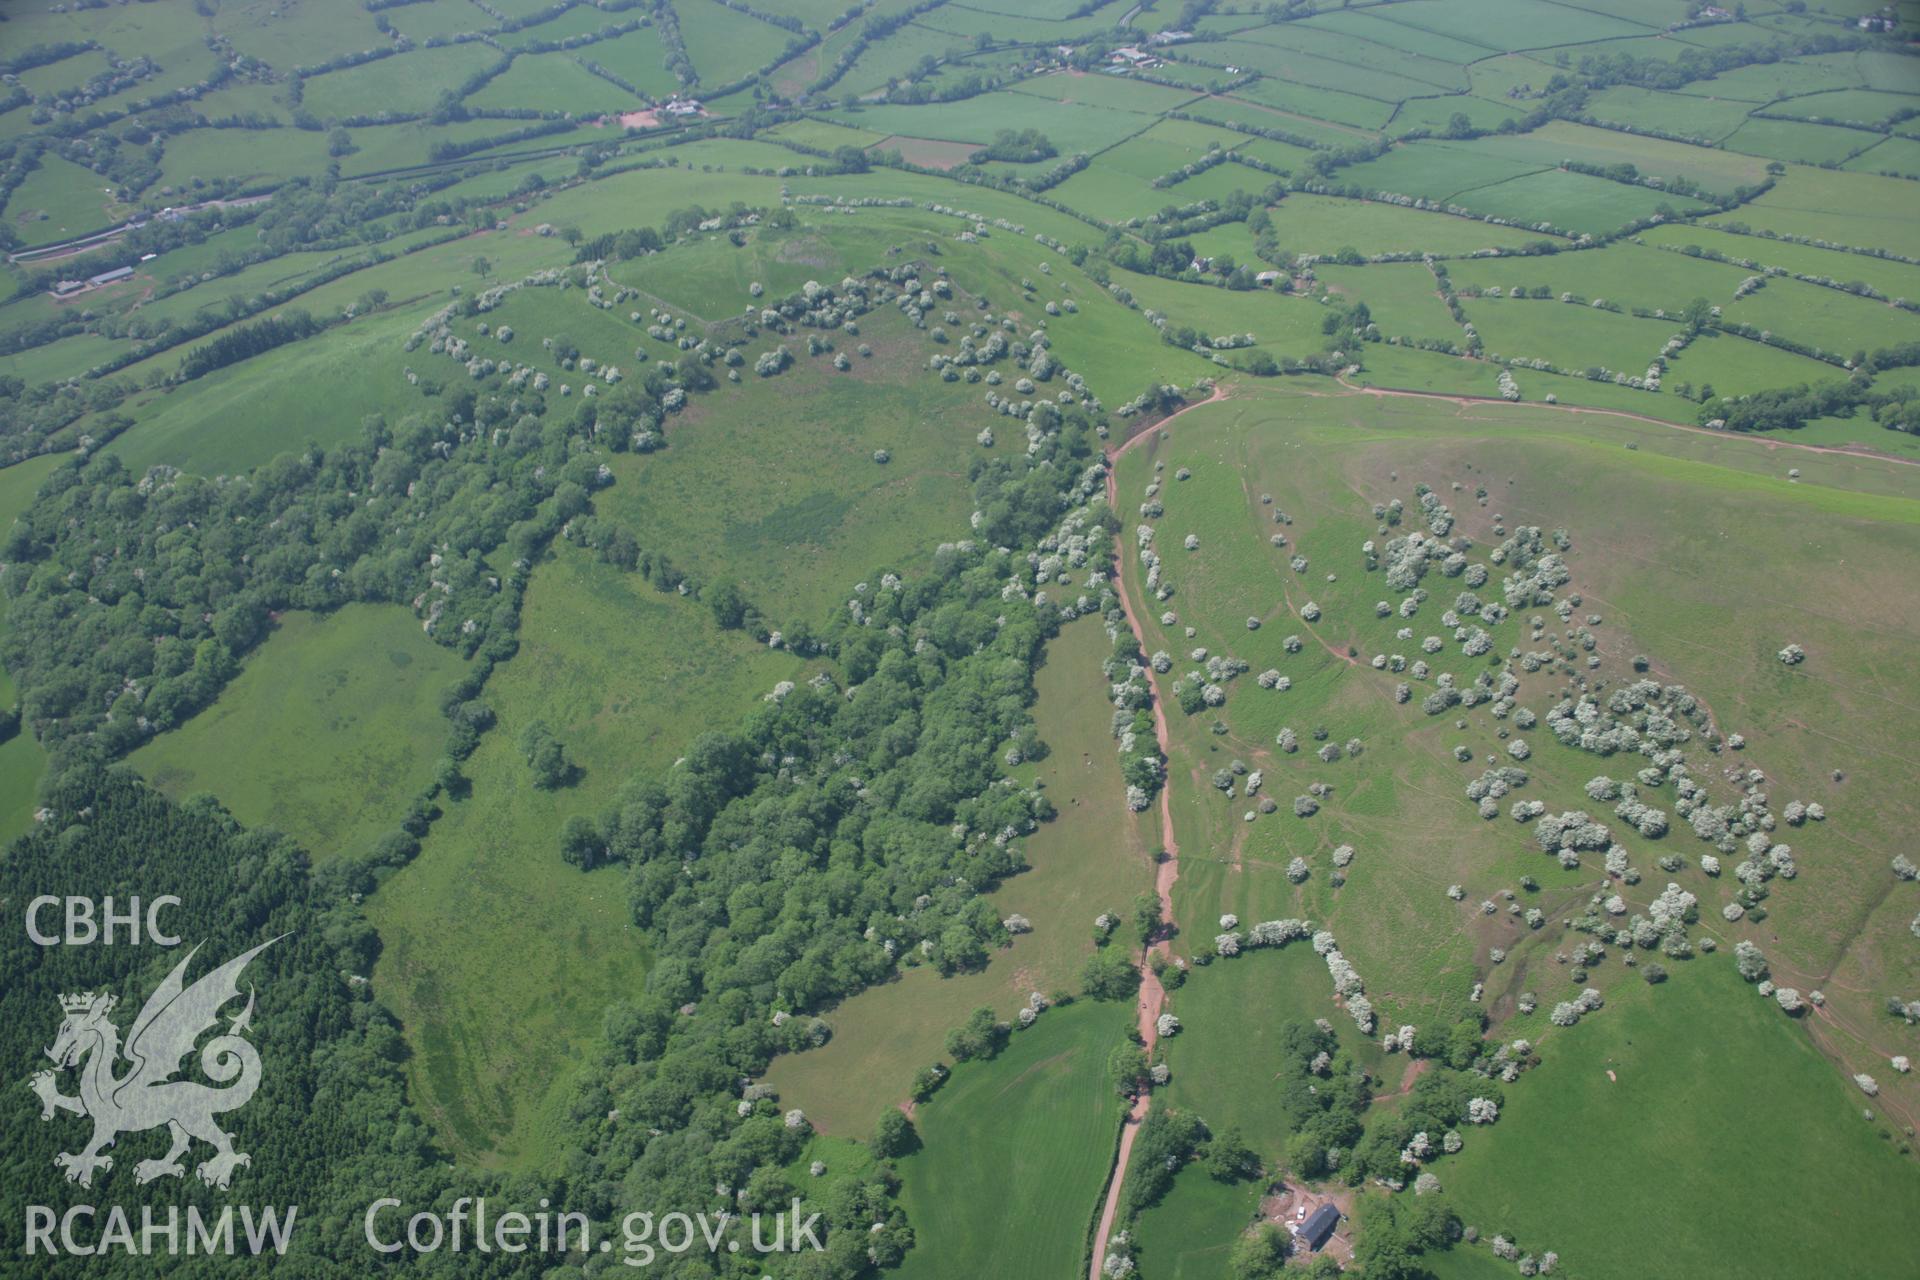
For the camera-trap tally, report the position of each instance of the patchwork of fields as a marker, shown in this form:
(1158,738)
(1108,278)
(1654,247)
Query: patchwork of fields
(1051,630)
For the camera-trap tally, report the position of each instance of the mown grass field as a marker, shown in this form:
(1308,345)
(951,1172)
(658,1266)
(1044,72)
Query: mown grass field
(500,959)
(1016,1151)
(328,732)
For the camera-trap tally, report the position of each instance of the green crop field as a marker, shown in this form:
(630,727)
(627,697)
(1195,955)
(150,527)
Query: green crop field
(673,587)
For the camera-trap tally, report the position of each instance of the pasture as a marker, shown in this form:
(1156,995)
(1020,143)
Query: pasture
(1568,335)
(1325,225)
(616,670)
(1708,120)
(1226,1055)
(554,82)
(1650,1072)
(58,201)
(1375,805)
(1015,1152)
(1825,319)
(329,731)
(1795,140)
(817,513)
(1629,274)
(1893,278)
(1190,1234)
(407,82)
(1403,297)
(1857,210)
(1071,126)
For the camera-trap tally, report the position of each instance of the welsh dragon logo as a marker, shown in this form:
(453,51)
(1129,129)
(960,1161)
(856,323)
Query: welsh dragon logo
(147,1096)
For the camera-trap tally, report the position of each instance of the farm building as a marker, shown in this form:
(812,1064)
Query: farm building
(111,277)
(1318,1228)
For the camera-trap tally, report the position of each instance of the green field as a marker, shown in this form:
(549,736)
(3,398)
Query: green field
(331,730)
(409,82)
(59,200)
(1825,1157)
(1189,1235)
(1322,225)
(1825,319)
(617,670)
(1072,126)
(1798,141)
(1628,274)
(1895,279)
(623,1038)
(1015,1152)
(816,513)
(1856,210)
(1232,586)
(555,82)
(1569,335)
(1403,297)
(22,761)
(1704,119)
(1231,1015)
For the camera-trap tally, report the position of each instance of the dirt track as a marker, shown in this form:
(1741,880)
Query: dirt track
(1152,995)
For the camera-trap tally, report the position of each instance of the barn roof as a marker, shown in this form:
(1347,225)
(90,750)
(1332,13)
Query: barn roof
(1319,1226)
